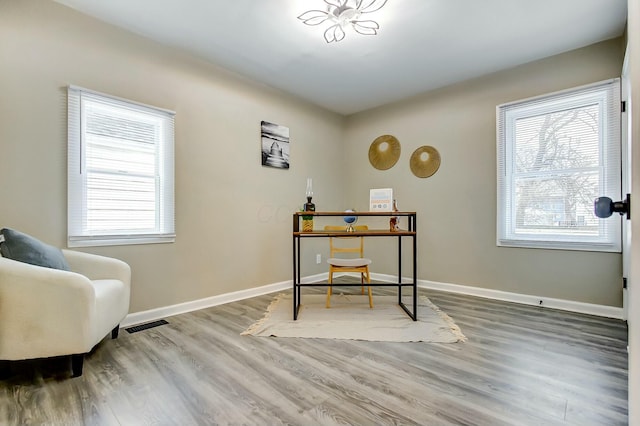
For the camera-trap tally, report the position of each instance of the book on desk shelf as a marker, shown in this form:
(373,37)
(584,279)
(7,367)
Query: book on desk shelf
(381,200)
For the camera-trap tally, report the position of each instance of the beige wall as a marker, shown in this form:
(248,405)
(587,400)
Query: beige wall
(457,206)
(233,216)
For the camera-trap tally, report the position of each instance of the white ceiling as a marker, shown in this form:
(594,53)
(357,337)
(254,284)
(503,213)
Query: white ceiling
(422,44)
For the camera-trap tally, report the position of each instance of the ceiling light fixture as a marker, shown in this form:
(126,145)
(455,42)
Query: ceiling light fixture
(344,14)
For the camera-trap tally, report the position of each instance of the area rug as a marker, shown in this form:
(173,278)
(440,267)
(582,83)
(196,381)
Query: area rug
(351,318)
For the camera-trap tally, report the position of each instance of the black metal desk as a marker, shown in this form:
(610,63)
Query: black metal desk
(410,232)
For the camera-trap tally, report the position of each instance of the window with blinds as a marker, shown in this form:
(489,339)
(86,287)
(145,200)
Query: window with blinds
(556,154)
(120,171)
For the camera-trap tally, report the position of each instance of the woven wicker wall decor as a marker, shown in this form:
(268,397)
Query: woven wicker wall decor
(425,161)
(384,152)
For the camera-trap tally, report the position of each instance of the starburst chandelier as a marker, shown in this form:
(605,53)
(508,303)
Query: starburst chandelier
(344,14)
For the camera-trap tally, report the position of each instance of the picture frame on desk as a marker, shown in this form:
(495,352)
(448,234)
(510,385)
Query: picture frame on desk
(381,200)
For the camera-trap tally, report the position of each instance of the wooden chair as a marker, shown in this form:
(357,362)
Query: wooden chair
(348,264)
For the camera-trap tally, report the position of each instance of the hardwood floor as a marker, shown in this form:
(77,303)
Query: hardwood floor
(521,365)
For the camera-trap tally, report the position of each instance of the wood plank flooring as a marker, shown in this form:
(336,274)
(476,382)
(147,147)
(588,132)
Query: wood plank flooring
(521,365)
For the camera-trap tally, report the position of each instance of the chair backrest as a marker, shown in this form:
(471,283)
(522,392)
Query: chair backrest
(336,247)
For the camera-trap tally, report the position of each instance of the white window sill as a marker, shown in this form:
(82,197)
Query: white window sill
(118,241)
(560,245)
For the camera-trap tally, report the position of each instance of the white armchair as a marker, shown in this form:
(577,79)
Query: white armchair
(48,312)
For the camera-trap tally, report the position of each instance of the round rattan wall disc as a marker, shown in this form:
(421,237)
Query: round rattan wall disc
(425,161)
(384,152)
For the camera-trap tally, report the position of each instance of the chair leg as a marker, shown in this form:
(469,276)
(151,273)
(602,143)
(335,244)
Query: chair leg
(5,369)
(114,332)
(370,294)
(329,289)
(362,282)
(77,361)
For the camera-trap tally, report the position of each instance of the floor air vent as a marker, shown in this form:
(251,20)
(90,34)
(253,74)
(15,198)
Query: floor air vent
(148,325)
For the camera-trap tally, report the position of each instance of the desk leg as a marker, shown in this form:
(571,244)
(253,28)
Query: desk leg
(296,276)
(415,281)
(412,314)
(399,270)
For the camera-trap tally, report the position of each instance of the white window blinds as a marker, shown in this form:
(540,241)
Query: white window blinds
(120,171)
(556,154)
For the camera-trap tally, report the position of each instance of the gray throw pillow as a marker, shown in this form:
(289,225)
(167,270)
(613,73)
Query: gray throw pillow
(25,248)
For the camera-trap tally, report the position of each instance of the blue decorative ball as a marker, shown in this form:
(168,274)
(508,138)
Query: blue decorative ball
(350,219)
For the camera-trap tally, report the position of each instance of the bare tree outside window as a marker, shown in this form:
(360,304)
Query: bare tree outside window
(556,171)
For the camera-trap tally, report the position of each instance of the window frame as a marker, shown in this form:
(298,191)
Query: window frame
(605,94)
(79,233)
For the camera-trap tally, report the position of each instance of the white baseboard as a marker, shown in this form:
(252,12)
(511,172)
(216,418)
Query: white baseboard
(194,305)
(525,299)
(565,305)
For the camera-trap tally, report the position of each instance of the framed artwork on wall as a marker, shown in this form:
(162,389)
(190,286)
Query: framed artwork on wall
(275,145)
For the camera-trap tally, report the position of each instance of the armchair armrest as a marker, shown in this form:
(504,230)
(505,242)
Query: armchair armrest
(43,312)
(96,267)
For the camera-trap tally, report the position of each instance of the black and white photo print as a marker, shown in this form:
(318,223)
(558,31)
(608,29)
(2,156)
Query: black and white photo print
(275,145)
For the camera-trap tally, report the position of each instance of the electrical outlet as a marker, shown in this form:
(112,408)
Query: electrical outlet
(318,258)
